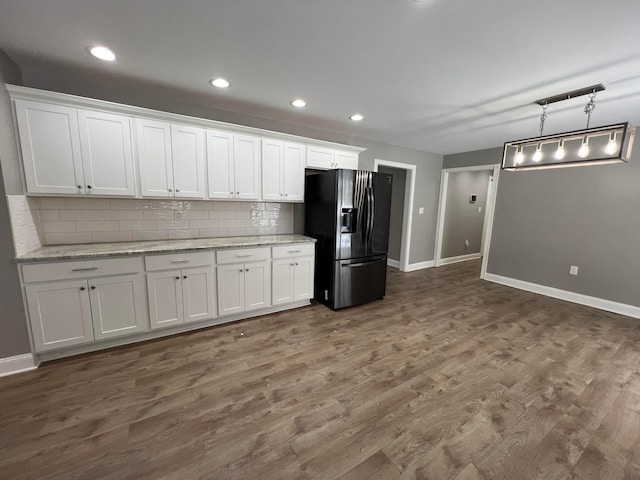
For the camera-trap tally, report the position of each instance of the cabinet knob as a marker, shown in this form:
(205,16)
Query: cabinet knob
(237,193)
(82,289)
(93,287)
(171,190)
(241,270)
(177,190)
(247,270)
(80,187)
(230,193)
(177,278)
(89,187)
(184,276)
(296,263)
(286,194)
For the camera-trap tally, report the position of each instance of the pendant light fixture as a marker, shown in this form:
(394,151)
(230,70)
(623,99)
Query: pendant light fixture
(590,146)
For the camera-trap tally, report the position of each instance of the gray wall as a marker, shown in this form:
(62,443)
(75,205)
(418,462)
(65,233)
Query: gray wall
(462,219)
(548,220)
(428,164)
(14,338)
(397,210)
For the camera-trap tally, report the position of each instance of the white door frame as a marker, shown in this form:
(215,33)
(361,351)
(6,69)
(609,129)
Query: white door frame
(407,215)
(489,211)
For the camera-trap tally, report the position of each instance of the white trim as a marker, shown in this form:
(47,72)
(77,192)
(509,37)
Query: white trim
(407,216)
(459,258)
(393,263)
(489,211)
(419,266)
(17,364)
(595,302)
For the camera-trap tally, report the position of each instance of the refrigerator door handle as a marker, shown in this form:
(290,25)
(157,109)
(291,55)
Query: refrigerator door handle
(370,215)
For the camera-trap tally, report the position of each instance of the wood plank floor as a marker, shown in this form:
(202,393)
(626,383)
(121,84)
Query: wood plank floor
(449,377)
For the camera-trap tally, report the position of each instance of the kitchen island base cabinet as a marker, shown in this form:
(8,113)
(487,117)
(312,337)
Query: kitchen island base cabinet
(244,287)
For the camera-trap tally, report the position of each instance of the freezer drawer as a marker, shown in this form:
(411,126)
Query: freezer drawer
(359,281)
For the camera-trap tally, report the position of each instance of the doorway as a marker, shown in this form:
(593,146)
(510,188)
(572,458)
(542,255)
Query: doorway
(465,214)
(402,201)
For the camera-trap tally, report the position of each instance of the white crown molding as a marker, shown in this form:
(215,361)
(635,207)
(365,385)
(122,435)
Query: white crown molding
(595,302)
(34,94)
(17,364)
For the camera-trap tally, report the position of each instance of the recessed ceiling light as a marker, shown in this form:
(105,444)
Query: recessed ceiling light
(356,117)
(103,53)
(298,103)
(219,82)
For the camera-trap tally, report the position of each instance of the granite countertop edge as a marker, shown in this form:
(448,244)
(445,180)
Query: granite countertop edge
(119,249)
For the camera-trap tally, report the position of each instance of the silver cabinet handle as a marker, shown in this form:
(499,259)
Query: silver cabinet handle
(244,256)
(179,261)
(294,251)
(88,269)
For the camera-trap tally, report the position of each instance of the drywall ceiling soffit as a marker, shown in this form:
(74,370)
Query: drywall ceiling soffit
(443,76)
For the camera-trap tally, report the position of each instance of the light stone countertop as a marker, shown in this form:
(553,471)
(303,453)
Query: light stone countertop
(98,250)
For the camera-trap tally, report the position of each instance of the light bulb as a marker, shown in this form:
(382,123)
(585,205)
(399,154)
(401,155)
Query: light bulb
(219,82)
(298,103)
(519,157)
(103,53)
(584,150)
(612,146)
(560,153)
(537,156)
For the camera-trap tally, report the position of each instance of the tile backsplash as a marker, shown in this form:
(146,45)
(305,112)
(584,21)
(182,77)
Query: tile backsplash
(54,221)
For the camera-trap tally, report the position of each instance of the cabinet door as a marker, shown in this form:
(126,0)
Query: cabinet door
(347,160)
(50,144)
(154,157)
(60,314)
(220,164)
(118,306)
(187,147)
(165,299)
(246,149)
(257,285)
(293,172)
(272,159)
(319,157)
(303,278)
(230,289)
(282,281)
(107,153)
(198,293)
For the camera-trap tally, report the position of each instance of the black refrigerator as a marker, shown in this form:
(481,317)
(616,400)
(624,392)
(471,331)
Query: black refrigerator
(347,211)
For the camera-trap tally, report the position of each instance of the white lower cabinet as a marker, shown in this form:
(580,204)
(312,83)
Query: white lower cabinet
(74,312)
(244,287)
(181,296)
(293,276)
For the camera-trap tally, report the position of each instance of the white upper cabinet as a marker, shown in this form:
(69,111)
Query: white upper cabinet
(246,167)
(154,157)
(234,165)
(324,158)
(345,159)
(189,176)
(283,171)
(107,153)
(172,160)
(320,157)
(220,163)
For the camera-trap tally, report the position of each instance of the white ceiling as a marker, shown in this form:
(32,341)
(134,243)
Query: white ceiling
(443,76)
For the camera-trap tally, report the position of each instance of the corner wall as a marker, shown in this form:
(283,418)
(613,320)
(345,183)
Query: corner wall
(14,337)
(547,220)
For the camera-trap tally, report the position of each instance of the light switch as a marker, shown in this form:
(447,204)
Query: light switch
(421,211)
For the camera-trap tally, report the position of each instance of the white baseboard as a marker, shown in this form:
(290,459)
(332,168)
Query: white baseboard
(393,263)
(459,258)
(17,364)
(419,266)
(595,302)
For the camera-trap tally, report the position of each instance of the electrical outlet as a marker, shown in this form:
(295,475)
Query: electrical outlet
(479,209)
(573,270)
(421,211)
(466,243)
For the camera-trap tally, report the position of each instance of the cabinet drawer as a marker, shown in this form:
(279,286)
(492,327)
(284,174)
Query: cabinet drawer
(178,260)
(81,269)
(298,250)
(243,255)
